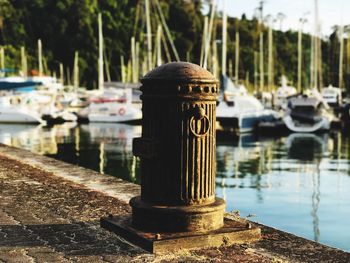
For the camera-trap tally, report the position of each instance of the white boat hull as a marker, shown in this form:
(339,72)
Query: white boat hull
(247,122)
(323,125)
(243,113)
(112,118)
(18,115)
(115,113)
(67,116)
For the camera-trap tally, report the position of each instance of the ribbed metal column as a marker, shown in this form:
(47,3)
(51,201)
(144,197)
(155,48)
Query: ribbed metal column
(177,150)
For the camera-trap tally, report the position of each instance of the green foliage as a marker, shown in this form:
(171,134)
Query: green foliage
(66,26)
(185,20)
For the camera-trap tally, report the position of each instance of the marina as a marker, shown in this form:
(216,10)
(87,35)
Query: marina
(155,130)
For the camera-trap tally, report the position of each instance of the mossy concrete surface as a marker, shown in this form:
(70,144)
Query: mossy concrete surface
(50,211)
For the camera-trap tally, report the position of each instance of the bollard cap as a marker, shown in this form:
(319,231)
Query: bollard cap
(179,72)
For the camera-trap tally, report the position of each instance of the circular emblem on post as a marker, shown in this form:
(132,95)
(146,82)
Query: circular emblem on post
(199,123)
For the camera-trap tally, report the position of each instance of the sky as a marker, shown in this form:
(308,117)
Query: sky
(331,12)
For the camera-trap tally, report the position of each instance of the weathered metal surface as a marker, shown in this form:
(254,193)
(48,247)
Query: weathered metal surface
(190,218)
(177,72)
(232,232)
(179,102)
(177,151)
(145,148)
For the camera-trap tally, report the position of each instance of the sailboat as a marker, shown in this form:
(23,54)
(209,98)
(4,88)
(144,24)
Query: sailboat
(114,109)
(14,109)
(308,113)
(239,111)
(332,95)
(17,83)
(110,104)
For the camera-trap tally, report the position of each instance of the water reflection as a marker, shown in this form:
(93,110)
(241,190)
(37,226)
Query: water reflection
(298,183)
(242,161)
(310,148)
(279,180)
(114,148)
(315,204)
(106,148)
(307,147)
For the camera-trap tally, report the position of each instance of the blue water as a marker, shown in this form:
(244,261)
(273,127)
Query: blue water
(297,183)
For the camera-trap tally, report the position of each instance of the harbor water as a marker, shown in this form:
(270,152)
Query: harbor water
(298,183)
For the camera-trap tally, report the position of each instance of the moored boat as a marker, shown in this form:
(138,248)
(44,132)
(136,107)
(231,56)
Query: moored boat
(307,114)
(113,112)
(332,95)
(113,105)
(14,110)
(240,111)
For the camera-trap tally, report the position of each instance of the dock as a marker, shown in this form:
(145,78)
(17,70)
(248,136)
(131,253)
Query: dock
(50,212)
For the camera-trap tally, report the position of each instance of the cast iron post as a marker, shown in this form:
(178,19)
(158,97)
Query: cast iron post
(178,151)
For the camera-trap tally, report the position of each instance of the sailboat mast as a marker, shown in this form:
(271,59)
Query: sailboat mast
(215,62)
(137,61)
(224,38)
(149,36)
(320,60)
(159,45)
(2,54)
(204,38)
(106,64)
(341,57)
(68,76)
(100,57)
(40,58)
(133,60)
(167,31)
(300,35)
(348,53)
(316,57)
(312,61)
(261,47)
(270,58)
(230,65)
(122,69)
(24,62)
(208,40)
(261,61)
(76,71)
(255,71)
(61,74)
(237,57)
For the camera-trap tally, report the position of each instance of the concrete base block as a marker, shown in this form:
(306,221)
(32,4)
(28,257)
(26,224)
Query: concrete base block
(233,232)
(191,218)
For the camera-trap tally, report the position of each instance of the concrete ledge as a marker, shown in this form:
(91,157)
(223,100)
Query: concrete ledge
(90,179)
(50,210)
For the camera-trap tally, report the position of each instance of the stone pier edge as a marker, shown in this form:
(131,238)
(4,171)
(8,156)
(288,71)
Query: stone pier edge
(106,184)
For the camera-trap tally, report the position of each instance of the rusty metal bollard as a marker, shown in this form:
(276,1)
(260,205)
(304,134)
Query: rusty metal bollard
(177,151)
(177,207)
